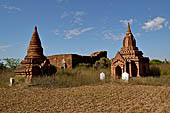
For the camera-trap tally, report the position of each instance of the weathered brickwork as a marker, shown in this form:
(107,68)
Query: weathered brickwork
(129,59)
(69,61)
(34,63)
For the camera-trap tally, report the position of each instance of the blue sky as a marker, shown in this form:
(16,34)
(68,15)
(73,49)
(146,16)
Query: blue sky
(84,26)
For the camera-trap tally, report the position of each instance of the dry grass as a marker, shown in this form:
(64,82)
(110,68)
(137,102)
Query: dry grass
(163,69)
(5,76)
(71,78)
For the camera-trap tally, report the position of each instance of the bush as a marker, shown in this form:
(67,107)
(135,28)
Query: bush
(2,65)
(83,65)
(102,63)
(12,63)
(161,69)
(154,71)
(155,61)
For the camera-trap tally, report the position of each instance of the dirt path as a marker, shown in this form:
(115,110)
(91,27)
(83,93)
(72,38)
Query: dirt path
(103,98)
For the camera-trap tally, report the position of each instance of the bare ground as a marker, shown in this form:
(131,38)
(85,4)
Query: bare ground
(102,98)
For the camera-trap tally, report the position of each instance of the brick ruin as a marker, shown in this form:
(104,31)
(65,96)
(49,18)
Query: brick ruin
(129,59)
(69,61)
(34,63)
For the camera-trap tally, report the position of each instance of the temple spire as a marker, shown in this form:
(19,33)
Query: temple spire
(128,29)
(35,29)
(35,33)
(35,49)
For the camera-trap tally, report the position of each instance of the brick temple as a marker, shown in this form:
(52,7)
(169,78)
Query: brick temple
(69,61)
(34,63)
(129,59)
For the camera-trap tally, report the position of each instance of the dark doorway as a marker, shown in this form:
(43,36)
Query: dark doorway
(127,67)
(133,69)
(118,72)
(144,70)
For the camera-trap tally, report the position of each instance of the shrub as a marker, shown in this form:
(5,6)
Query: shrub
(155,61)
(2,65)
(102,63)
(83,65)
(161,69)
(12,63)
(154,71)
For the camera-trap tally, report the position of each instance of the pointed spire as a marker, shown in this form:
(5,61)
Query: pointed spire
(35,29)
(128,29)
(35,48)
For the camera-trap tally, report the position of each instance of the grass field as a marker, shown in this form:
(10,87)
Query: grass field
(80,90)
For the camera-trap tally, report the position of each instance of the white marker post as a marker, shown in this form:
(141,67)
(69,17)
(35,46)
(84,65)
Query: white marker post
(11,81)
(125,77)
(102,76)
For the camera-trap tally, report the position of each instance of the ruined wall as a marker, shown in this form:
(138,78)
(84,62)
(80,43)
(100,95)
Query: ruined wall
(72,60)
(60,60)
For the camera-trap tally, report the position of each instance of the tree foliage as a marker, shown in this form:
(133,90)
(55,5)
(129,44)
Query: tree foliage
(12,63)
(102,63)
(155,61)
(2,65)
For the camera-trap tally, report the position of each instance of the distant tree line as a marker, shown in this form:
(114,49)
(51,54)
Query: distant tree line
(9,63)
(156,61)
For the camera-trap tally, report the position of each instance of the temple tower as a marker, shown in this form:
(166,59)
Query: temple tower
(34,63)
(129,59)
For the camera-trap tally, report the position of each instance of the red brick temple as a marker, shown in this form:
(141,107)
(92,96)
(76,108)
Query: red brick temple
(34,63)
(129,59)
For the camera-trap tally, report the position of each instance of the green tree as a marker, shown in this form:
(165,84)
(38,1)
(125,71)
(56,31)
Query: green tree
(2,65)
(155,61)
(12,63)
(102,63)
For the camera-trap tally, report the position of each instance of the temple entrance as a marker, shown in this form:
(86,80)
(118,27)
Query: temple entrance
(118,72)
(134,69)
(127,67)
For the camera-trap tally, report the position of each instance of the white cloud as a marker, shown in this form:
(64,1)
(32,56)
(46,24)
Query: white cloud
(4,47)
(137,35)
(57,32)
(86,29)
(169,27)
(125,22)
(77,17)
(65,14)
(155,24)
(12,8)
(76,32)
(112,36)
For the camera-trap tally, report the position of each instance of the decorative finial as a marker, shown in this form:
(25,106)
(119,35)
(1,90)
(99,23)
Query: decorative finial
(128,30)
(35,29)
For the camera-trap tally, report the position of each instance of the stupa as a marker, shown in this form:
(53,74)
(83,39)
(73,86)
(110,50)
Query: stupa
(34,63)
(129,59)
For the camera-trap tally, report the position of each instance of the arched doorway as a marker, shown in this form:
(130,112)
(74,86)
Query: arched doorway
(118,72)
(134,69)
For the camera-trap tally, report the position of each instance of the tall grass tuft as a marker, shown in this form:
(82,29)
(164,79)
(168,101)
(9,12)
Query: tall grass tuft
(5,75)
(162,69)
(72,78)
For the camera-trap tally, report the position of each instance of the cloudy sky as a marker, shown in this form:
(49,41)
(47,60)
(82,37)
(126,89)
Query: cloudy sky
(84,26)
